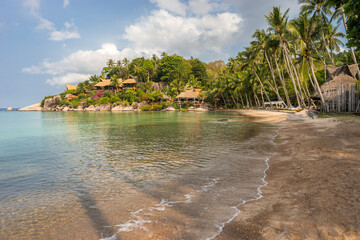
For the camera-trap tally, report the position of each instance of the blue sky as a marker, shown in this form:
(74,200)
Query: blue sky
(47,43)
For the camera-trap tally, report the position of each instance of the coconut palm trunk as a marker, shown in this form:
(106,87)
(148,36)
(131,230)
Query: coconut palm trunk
(283,84)
(315,79)
(351,49)
(262,86)
(274,80)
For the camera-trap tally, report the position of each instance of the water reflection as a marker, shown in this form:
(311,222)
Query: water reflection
(106,173)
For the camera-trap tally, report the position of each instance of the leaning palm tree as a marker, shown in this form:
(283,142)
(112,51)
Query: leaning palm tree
(332,38)
(260,45)
(279,25)
(308,30)
(320,9)
(340,11)
(248,59)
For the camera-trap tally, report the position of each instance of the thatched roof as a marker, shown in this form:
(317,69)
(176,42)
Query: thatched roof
(166,97)
(130,81)
(107,82)
(341,76)
(189,94)
(71,87)
(103,83)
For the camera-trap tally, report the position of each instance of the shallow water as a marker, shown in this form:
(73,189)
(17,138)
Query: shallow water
(161,175)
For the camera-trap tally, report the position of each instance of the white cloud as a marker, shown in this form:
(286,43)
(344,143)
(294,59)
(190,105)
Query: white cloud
(66,3)
(163,31)
(70,31)
(79,65)
(175,6)
(202,7)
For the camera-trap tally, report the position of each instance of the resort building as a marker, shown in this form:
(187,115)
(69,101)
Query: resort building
(129,83)
(190,96)
(71,87)
(339,77)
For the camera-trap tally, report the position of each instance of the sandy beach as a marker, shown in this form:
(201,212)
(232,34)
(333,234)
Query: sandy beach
(313,183)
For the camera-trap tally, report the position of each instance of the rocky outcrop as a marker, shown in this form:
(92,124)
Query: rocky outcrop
(135,105)
(170,109)
(120,108)
(159,86)
(34,107)
(200,109)
(50,104)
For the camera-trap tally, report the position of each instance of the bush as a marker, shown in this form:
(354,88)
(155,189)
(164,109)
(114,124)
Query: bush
(107,94)
(63,102)
(164,105)
(175,106)
(75,102)
(145,108)
(91,102)
(157,107)
(104,100)
(73,92)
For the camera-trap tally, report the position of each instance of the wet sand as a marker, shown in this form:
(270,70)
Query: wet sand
(313,189)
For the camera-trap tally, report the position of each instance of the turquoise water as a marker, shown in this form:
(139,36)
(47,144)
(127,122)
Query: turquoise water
(161,175)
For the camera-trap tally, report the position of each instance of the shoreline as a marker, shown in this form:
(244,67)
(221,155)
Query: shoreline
(301,199)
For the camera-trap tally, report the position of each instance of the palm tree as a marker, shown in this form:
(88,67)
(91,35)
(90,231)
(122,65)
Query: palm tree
(340,8)
(279,24)
(308,30)
(332,38)
(320,9)
(261,45)
(248,60)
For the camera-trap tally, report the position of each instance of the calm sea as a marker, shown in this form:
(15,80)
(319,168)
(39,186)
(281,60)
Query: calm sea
(157,175)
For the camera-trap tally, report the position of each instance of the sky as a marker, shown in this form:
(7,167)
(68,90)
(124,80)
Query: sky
(45,44)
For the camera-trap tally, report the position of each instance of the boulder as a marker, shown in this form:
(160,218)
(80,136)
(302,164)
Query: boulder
(117,108)
(200,109)
(170,109)
(105,107)
(91,108)
(159,86)
(135,105)
(128,109)
(65,109)
(191,109)
(142,104)
(50,104)
(34,107)
(9,109)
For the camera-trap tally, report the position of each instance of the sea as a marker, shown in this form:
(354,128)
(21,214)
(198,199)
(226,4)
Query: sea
(148,175)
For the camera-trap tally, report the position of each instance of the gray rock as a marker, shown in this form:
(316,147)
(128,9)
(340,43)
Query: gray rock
(191,109)
(91,108)
(135,105)
(50,104)
(34,107)
(159,86)
(170,109)
(105,107)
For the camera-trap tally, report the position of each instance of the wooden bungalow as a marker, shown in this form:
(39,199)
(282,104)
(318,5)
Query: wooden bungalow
(343,76)
(71,87)
(106,84)
(340,91)
(190,96)
(129,83)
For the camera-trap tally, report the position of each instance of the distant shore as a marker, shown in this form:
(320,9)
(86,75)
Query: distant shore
(313,183)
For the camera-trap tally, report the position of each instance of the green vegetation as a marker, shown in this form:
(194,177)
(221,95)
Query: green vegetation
(285,63)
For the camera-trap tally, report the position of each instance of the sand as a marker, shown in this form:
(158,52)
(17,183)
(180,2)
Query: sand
(313,189)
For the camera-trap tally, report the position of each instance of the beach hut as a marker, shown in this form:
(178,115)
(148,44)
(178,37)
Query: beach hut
(71,87)
(129,83)
(189,96)
(107,84)
(338,77)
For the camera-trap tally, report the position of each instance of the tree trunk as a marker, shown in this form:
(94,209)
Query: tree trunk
(283,84)
(262,98)
(287,65)
(242,101)
(256,99)
(267,97)
(315,80)
(247,101)
(351,49)
(273,76)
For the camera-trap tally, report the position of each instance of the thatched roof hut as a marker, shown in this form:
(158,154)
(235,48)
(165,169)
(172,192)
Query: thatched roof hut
(338,76)
(107,83)
(71,87)
(189,95)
